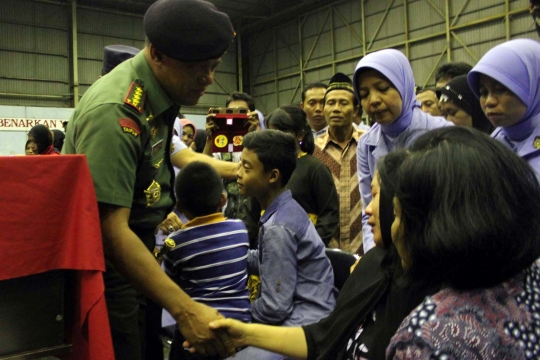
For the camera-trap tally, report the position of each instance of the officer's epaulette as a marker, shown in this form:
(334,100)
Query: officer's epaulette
(135,97)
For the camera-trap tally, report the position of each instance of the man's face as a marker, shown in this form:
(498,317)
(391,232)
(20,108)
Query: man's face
(339,108)
(185,82)
(429,102)
(313,106)
(238,104)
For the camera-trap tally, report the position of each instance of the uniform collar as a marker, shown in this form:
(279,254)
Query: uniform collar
(157,97)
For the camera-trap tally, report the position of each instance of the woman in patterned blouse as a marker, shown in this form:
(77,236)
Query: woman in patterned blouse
(466,217)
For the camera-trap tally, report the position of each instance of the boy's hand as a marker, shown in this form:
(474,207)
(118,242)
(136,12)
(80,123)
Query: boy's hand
(170,224)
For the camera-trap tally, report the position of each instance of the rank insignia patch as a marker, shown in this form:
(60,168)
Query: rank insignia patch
(135,97)
(129,126)
(536,142)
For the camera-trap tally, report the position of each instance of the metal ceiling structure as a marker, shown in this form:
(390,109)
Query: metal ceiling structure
(245,14)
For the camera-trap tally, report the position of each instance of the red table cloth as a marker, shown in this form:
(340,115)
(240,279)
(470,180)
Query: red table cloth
(49,220)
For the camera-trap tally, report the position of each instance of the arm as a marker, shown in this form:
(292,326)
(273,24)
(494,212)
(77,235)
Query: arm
(225,169)
(364,182)
(278,276)
(289,341)
(136,263)
(326,199)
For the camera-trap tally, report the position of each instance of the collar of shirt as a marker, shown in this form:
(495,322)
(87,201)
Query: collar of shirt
(155,95)
(320,132)
(282,198)
(323,140)
(204,220)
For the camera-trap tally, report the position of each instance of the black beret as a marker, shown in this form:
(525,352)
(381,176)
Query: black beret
(188,30)
(114,55)
(340,81)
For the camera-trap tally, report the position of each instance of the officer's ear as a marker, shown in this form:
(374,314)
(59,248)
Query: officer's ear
(155,55)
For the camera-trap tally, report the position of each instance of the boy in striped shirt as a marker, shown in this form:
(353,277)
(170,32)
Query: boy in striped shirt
(209,260)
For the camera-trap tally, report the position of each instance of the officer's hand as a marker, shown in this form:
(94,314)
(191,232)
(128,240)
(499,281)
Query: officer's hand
(170,224)
(210,125)
(193,324)
(236,330)
(253,121)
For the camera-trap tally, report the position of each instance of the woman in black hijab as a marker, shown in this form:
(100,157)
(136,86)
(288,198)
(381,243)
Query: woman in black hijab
(459,105)
(43,137)
(371,305)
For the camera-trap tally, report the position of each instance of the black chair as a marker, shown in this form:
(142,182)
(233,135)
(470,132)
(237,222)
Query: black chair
(341,263)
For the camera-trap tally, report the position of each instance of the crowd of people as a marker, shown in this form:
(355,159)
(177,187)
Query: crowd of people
(437,201)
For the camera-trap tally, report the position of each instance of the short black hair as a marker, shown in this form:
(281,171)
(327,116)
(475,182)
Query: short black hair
(310,86)
(292,118)
(275,150)
(240,96)
(451,70)
(423,90)
(198,189)
(470,209)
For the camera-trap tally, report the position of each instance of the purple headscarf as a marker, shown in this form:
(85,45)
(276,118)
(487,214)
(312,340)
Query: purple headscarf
(396,68)
(516,65)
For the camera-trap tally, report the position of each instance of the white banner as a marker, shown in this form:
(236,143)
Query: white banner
(21,124)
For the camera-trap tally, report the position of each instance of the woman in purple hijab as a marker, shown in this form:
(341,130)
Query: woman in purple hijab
(506,80)
(384,85)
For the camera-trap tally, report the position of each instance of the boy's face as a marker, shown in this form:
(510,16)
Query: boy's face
(252,179)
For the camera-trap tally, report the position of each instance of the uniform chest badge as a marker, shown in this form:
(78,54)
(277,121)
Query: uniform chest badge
(536,142)
(152,193)
(135,97)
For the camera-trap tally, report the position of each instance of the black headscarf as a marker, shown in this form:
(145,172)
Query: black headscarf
(377,286)
(459,93)
(42,136)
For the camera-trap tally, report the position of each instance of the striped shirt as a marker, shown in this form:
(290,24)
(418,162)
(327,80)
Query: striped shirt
(209,262)
(342,165)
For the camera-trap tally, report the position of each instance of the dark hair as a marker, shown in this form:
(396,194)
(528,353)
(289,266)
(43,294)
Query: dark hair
(241,97)
(470,209)
(43,137)
(275,150)
(200,140)
(291,118)
(451,70)
(423,90)
(59,137)
(198,189)
(310,86)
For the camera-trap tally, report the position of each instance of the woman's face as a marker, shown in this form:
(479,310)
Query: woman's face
(501,106)
(397,233)
(31,148)
(372,210)
(187,135)
(455,114)
(378,97)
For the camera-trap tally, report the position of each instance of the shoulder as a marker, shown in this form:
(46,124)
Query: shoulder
(425,121)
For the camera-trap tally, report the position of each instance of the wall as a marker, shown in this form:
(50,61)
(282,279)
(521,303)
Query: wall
(334,38)
(51,53)
(16,121)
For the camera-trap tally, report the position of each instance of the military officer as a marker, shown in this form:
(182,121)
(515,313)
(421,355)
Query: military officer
(123,125)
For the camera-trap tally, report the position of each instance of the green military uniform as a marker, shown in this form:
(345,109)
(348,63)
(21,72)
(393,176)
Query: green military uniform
(123,125)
